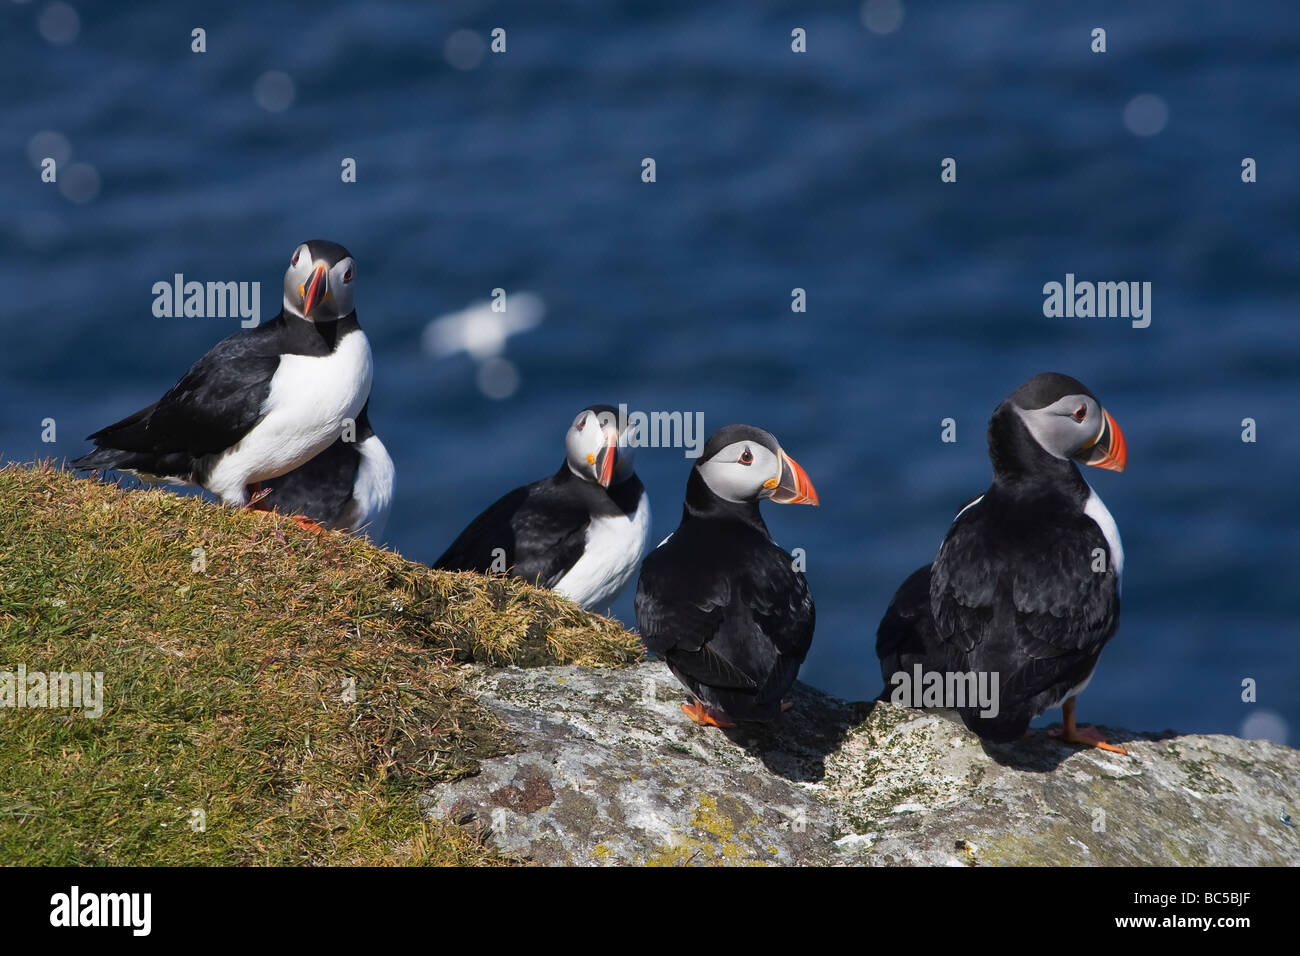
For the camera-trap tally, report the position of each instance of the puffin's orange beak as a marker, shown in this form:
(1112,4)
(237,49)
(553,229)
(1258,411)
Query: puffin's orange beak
(792,487)
(313,290)
(605,461)
(1108,450)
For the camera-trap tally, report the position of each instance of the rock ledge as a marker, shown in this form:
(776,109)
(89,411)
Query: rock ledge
(608,770)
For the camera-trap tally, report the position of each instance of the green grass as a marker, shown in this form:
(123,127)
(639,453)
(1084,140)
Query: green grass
(224,687)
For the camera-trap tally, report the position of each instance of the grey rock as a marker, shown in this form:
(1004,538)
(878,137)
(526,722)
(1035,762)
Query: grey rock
(608,770)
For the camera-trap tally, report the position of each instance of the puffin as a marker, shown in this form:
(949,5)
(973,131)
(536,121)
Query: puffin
(261,402)
(719,600)
(347,487)
(580,532)
(1026,585)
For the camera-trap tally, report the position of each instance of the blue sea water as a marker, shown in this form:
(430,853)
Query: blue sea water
(775,170)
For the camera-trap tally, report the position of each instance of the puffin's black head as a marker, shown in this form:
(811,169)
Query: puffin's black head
(318,282)
(596,449)
(741,463)
(1062,418)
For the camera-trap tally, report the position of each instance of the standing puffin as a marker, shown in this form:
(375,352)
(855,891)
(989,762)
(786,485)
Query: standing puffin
(1026,585)
(580,532)
(347,487)
(262,401)
(719,600)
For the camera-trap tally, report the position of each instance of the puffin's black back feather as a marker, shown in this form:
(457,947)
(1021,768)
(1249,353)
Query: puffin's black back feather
(214,404)
(1013,591)
(906,633)
(725,608)
(541,527)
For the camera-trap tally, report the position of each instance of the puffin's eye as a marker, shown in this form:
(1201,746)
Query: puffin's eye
(294,260)
(581,423)
(747,457)
(347,276)
(1080,413)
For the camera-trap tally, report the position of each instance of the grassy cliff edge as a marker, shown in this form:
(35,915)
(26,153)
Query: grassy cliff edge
(269,696)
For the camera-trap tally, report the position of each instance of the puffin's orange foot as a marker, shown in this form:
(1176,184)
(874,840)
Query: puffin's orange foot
(1088,737)
(705,716)
(307,524)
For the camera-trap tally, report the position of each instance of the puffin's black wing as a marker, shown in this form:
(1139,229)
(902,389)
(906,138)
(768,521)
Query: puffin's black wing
(1020,598)
(541,528)
(905,636)
(906,633)
(213,405)
(680,605)
(734,617)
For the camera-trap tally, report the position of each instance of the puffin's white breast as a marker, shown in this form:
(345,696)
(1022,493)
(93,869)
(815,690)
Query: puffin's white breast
(1096,509)
(966,508)
(309,399)
(614,548)
(372,490)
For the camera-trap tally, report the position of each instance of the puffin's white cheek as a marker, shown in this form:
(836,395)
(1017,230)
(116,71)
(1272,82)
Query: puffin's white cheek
(581,447)
(731,480)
